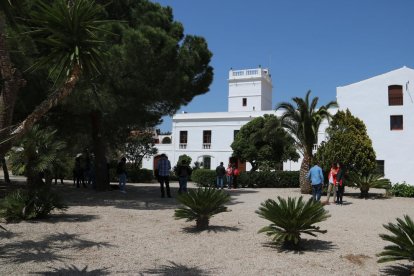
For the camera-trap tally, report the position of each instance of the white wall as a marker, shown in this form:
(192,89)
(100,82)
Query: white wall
(368,100)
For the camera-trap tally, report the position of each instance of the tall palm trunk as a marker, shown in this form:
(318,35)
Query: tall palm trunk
(51,101)
(10,83)
(305,185)
(101,166)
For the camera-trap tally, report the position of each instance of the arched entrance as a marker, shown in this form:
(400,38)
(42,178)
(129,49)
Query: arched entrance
(241,166)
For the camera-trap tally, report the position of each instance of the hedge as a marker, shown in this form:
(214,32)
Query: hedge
(133,175)
(204,177)
(402,190)
(276,179)
(266,179)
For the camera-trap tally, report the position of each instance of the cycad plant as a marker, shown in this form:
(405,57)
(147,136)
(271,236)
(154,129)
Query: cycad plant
(290,218)
(201,205)
(402,239)
(37,153)
(365,182)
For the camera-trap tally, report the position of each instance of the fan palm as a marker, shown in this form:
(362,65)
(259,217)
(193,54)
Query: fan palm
(68,32)
(290,218)
(38,152)
(303,121)
(365,182)
(201,205)
(403,241)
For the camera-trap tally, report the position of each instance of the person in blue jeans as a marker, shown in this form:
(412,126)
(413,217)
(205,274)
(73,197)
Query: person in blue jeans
(315,175)
(220,173)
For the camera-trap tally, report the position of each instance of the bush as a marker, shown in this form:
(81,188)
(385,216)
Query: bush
(402,247)
(365,182)
(290,218)
(25,205)
(201,205)
(402,190)
(139,175)
(266,179)
(204,178)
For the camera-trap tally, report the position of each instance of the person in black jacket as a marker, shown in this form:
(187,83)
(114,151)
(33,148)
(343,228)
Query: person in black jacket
(183,172)
(220,173)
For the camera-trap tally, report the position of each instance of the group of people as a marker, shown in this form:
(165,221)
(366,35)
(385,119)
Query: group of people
(83,171)
(336,184)
(231,174)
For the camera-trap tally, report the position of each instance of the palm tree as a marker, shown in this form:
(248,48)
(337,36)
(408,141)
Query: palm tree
(69,31)
(402,239)
(303,121)
(291,218)
(365,182)
(201,205)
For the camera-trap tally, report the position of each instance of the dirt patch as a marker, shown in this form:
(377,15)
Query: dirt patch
(358,259)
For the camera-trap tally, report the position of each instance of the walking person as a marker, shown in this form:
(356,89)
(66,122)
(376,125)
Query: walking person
(220,173)
(183,172)
(164,167)
(122,175)
(315,175)
(332,180)
(229,176)
(340,185)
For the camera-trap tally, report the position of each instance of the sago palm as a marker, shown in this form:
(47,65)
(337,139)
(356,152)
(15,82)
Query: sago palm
(365,182)
(290,218)
(201,205)
(67,32)
(402,239)
(303,120)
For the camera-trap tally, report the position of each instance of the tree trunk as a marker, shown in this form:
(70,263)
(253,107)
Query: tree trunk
(305,185)
(5,170)
(202,223)
(11,81)
(101,165)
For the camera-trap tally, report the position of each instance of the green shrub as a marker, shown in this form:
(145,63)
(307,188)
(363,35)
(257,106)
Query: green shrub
(139,175)
(269,179)
(402,240)
(25,205)
(201,205)
(204,177)
(291,218)
(365,182)
(402,190)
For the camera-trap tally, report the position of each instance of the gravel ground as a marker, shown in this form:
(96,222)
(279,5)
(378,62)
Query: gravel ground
(111,233)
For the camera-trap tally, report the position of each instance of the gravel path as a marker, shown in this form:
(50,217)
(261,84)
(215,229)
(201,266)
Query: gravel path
(135,234)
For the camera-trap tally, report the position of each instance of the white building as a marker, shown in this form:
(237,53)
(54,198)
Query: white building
(383,102)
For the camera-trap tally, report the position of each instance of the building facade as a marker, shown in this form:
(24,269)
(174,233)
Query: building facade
(384,103)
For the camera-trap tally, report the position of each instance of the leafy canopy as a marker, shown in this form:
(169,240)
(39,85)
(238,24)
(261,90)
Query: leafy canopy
(348,143)
(263,141)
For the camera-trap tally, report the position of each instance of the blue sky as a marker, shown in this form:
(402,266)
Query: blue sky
(317,45)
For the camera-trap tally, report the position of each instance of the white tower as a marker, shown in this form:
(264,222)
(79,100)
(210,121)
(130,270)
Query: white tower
(250,90)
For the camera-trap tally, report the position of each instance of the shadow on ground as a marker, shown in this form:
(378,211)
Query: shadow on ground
(174,269)
(398,270)
(72,270)
(48,249)
(211,228)
(305,246)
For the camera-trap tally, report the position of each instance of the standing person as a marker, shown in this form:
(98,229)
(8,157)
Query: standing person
(332,180)
(236,173)
(164,167)
(316,177)
(220,173)
(340,185)
(229,176)
(183,172)
(121,171)
(78,173)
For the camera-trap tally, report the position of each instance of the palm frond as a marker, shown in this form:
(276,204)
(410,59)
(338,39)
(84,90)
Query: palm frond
(290,218)
(402,239)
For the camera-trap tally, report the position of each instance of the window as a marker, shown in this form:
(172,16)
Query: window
(183,137)
(395,95)
(207,162)
(244,101)
(380,167)
(206,139)
(396,122)
(235,133)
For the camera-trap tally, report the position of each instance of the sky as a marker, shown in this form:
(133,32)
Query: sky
(313,45)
